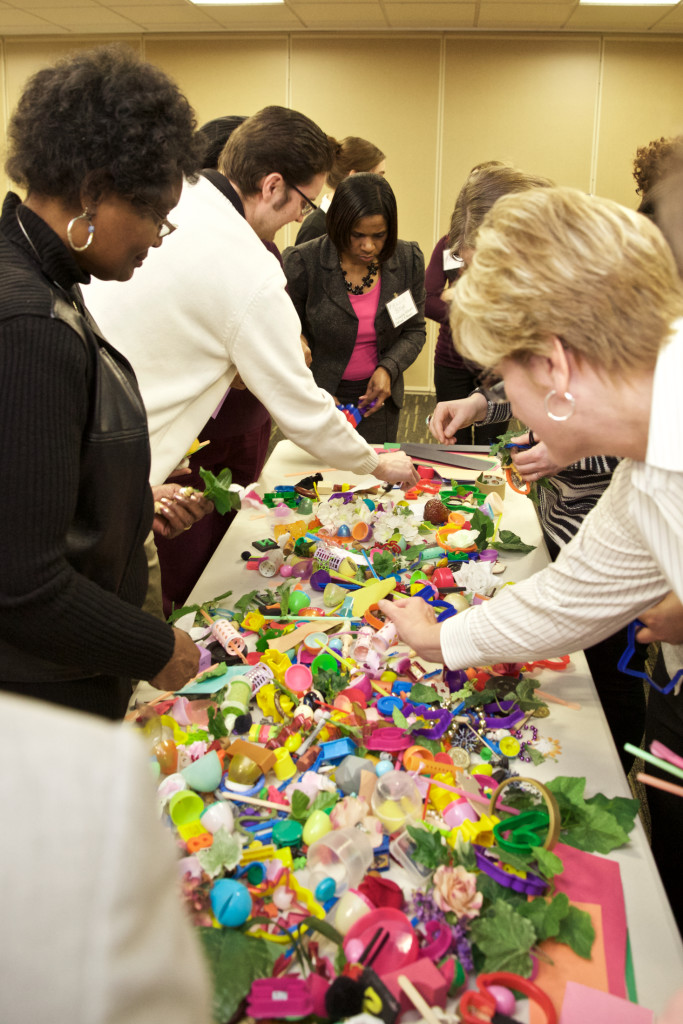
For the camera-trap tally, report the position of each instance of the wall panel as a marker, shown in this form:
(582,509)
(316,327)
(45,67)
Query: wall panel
(385,89)
(641,100)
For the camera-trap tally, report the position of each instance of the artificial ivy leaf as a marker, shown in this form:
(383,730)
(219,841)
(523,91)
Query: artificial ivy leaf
(323,800)
(217,490)
(546,917)
(623,808)
(177,613)
(536,756)
(223,854)
(299,805)
(586,826)
(518,861)
(549,864)
(236,960)
(464,854)
(506,540)
(383,563)
(576,929)
(505,938)
(430,848)
(400,720)
(492,891)
(479,697)
(421,693)
(413,551)
(433,746)
(525,694)
(598,832)
(242,605)
(216,723)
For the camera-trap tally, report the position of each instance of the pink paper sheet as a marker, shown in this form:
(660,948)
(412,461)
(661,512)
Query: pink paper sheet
(583,1005)
(593,879)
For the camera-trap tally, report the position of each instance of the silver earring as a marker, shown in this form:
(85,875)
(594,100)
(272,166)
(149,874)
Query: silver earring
(86,215)
(568,397)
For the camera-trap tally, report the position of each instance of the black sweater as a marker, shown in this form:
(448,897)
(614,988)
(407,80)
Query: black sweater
(71,578)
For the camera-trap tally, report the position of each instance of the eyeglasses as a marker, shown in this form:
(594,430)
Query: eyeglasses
(165,227)
(309,206)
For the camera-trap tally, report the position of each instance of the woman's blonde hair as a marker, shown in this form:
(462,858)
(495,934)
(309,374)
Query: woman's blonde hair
(485,184)
(557,262)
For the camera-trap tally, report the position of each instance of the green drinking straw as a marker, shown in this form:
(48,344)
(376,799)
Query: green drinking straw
(647,756)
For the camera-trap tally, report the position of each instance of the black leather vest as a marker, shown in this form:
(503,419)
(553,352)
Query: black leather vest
(113,512)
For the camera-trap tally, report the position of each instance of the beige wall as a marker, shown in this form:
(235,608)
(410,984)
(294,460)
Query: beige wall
(573,108)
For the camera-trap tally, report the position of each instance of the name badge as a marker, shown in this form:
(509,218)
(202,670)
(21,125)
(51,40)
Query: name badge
(401,308)
(451,261)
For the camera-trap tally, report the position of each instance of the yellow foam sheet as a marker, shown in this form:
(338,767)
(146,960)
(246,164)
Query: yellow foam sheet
(374,592)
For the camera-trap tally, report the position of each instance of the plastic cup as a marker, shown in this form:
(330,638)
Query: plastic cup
(344,855)
(185,807)
(396,800)
(298,678)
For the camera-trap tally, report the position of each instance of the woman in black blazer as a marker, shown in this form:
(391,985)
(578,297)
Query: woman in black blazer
(359,292)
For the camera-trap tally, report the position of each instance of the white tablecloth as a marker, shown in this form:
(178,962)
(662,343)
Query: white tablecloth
(586,742)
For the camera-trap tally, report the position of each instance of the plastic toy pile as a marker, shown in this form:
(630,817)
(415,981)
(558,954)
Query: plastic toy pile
(357,834)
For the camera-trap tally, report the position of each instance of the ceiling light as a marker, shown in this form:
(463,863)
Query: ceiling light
(629,3)
(234,3)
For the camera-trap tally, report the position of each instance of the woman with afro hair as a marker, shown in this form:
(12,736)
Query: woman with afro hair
(100,142)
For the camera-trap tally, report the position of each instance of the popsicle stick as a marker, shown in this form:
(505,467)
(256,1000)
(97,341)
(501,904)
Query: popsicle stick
(237,798)
(420,1004)
(552,699)
(668,787)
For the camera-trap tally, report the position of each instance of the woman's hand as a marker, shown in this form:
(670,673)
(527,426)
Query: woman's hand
(416,624)
(377,392)
(449,417)
(535,462)
(182,665)
(396,468)
(174,513)
(662,622)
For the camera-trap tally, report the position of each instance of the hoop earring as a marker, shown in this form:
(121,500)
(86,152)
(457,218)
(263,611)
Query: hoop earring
(568,397)
(86,215)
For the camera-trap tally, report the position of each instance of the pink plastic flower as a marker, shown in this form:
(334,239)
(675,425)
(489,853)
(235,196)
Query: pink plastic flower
(456,889)
(349,812)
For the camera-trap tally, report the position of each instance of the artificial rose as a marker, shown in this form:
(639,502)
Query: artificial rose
(349,812)
(456,889)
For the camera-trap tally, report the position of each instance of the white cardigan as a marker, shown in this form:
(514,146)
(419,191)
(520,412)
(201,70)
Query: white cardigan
(211,302)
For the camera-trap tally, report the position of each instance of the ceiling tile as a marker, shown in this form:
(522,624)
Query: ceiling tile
(165,17)
(348,15)
(523,15)
(88,19)
(257,18)
(430,15)
(668,18)
(13,21)
(607,18)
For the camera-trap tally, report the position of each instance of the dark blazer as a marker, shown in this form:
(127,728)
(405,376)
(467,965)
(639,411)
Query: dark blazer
(329,324)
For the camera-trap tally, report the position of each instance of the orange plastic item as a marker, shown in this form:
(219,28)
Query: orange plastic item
(202,842)
(516,481)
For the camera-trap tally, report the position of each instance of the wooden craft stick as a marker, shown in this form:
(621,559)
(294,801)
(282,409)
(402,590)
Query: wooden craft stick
(239,799)
(668,787)
(552,699)
(420,1004)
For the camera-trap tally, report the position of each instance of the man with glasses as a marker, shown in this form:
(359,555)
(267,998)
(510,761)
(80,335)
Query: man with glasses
(211,302)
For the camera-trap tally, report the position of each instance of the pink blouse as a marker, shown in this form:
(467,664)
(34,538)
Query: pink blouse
(363,362)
